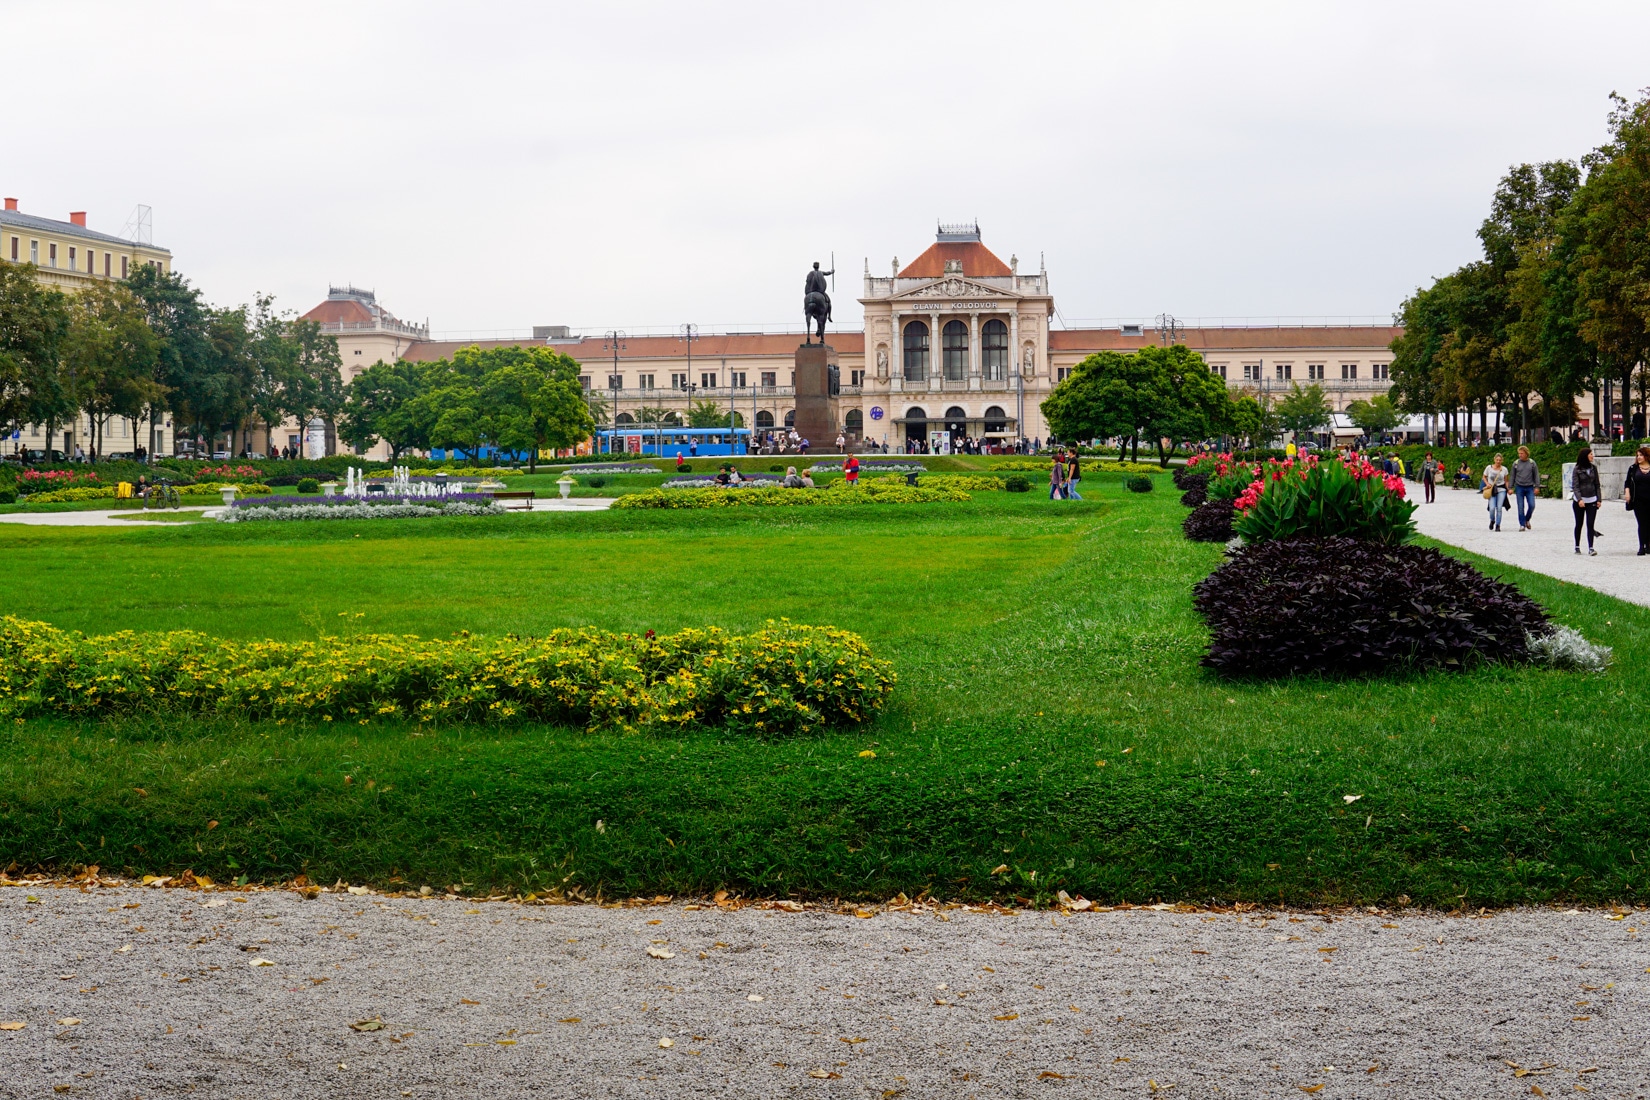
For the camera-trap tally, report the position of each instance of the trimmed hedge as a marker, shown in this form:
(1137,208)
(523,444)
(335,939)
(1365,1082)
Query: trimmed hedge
(1210,521)
(773,497)
(782,679)
(1344,606)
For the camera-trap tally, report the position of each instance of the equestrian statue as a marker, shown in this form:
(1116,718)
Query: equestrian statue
(816,303)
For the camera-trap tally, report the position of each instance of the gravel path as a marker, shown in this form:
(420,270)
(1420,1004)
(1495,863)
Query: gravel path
(1461,518)
(132,992)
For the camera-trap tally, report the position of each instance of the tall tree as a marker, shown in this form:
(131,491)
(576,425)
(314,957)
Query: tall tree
(1374,416)
(379,406)
(114,354)
(1304,411)
(182,322)
(1169,394)
(34,325)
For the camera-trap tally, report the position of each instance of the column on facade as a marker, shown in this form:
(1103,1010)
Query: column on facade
(974,349)
(936,352)
(896,354)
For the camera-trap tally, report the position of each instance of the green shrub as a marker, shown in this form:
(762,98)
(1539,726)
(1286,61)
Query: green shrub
(885,492)
(1017,484)
(1326,499)
(308,485)
(595,482)
(685,468)
(776,468)
(8,494)
(784,678)
(1138,483)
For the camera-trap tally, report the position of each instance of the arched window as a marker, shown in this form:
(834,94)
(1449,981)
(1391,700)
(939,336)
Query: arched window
(916,423)
(996,420)
(955,339)
(916,352)
(855,422)
(956,420)
(790,419)
(994,351)
(625,418)
(764,419)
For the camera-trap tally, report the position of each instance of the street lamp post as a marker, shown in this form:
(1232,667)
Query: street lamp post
(615,344)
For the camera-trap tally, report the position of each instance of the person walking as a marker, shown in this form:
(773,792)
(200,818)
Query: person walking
(1584,494)
(1429,477)
(1495,490)
(1056,479)
(1637,492)
(1074,474)
(1526,478)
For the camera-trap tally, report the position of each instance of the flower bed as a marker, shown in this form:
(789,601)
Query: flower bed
(377,500)
(610,468)
(968,483)
(1103,467)
(747,481)
(780,680)
(770,497)
(356,509)
(1330,498)
(110,492)
(872,465)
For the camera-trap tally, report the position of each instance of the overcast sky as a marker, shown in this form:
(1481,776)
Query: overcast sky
(492,166)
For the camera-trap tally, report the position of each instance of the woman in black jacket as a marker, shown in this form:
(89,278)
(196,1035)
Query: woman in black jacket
(1584,496)
(1637,492)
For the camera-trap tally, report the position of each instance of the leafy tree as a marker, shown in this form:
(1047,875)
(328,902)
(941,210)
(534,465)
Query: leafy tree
(1166,393)
(1304,411)
(379,405)
(113,353)
(1375,416)
(708,414)
(535,401)
(34,325)
(1250,420)
(182,322)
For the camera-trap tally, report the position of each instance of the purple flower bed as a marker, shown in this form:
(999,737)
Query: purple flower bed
(374,499)
(875,464)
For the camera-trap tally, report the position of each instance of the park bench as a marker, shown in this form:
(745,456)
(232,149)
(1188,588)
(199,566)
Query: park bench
(524,495)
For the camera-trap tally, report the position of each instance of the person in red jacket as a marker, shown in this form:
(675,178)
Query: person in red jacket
(850,470)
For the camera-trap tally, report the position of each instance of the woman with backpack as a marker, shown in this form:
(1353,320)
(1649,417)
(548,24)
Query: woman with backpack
(1584,497)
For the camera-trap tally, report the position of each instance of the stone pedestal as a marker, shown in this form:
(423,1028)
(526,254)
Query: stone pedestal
(815,406)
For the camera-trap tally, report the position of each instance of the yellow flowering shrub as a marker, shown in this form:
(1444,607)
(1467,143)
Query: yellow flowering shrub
(970,483)
(783,679)
(1087,465)
(871,492)
(110,492)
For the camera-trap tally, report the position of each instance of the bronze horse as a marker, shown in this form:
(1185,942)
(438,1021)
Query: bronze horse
(816,310)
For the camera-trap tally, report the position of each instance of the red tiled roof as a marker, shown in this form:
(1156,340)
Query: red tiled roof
(592,349)
(334,310)
(1231,339)
(977,261)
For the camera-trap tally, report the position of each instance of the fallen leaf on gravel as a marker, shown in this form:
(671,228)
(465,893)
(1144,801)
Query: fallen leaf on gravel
(1535,1090)
(374,1024)
(1008,1016)
(359,890)
(1329,950)
(660,953)
(666,1044)
(1349,799)
(1578,1019)
(1050,1075)
(464,1001)
(824,1075)
(261,962)
(30,899)
(123,950)
(864,914)
(12,1025)
(847,1040)
(69,1021)
(572,1020)
(1310,1088)
(754,997)
(1161,907)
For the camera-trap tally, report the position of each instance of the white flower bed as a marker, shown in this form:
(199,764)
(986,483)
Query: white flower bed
(360,511)
(1566,648)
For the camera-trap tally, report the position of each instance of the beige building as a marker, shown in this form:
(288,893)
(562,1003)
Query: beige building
(69,256)
(955,341)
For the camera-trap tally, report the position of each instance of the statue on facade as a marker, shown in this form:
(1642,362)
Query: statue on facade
(816,303)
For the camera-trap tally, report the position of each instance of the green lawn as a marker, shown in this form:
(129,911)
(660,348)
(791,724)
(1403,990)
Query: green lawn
(1032,640)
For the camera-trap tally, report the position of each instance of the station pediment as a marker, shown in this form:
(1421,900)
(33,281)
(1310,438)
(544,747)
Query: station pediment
(956,288)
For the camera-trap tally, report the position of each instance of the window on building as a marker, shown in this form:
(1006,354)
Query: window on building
(615,381)
(1379,371)
(72,266)
(358,351)
(1218,369)
(994,351)
(1251,372)
(107,261)
(916,352)
(854,421)
(707,380)
(34,252)
(790,419)
(764,419)
(1284,370)
(645,381)
(1349,370)
(624,418)
(736,379)
(1314,371)
(995,420)
(856,378)
(770,379)
(14,243)
(678,381)
(1062,373)
(125,268)
(51,251)
(584,382)
(954,338)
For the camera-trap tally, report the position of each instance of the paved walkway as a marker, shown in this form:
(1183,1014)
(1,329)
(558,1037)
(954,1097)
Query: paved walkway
(115,518)
(152,992)
(1461,518)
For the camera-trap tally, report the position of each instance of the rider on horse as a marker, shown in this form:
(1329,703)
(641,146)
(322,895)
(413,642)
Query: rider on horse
(816,303)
